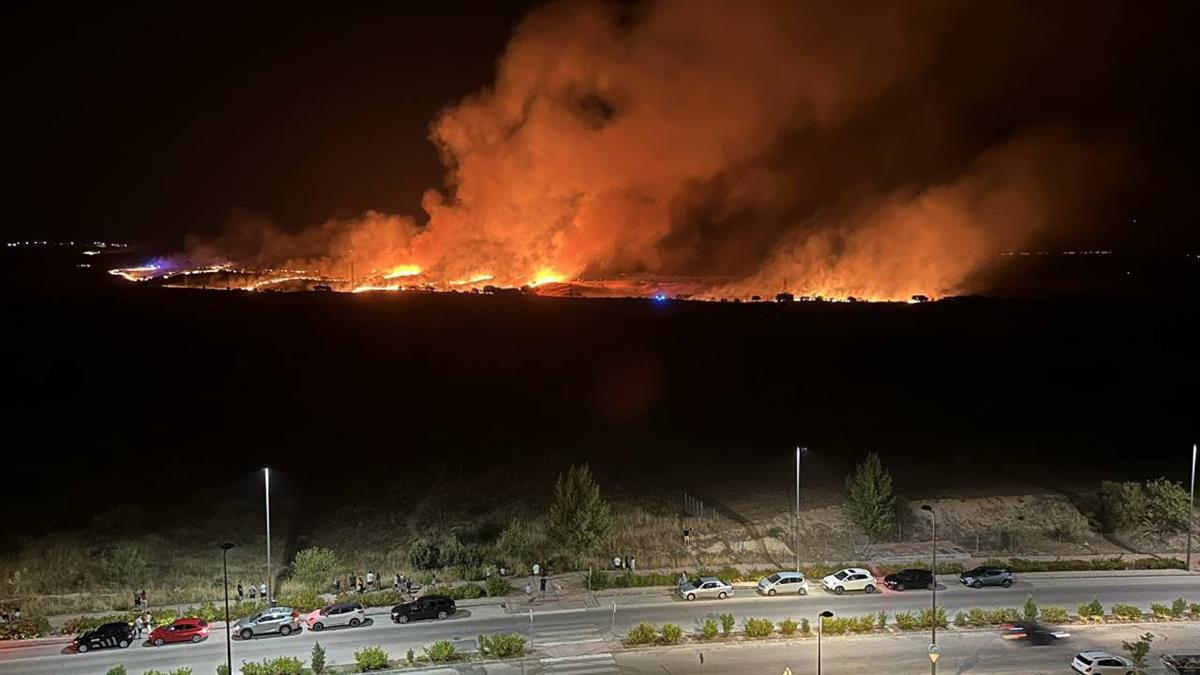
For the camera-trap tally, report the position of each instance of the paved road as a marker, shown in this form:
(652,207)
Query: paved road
(569,632)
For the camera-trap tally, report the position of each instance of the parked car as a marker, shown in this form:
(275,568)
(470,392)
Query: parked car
(705,587)
(180,630)
(1093,663)
(341,614)
(912,578)
(987,576)
(1032,632)
(850,579)
(282,620)
(427,607)
(119,634)
(783,582)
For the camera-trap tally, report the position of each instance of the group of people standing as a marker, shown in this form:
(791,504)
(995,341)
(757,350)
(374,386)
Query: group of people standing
(141,622)
(627,563)
(372,581)
(7,615)
(255,593)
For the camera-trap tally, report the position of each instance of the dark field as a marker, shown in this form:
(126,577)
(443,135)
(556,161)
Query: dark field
(121,389)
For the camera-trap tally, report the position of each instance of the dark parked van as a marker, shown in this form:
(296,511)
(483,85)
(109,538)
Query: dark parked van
(428,607)
(913,578)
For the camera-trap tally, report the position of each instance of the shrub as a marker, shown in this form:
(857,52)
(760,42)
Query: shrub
(501,645)
(410,657)
(124,565)
(466,592)
(374,658)
(926,618)
(222,669)
(837,625)
(905,620)
(28,627)
(960,619)
(1125,612)
(315,567)
(709,629)
(497,587)
(881,620)
(1157,564)
(1054,614)
(521,543)
(317,658)
(641,634)
(805,627)
(182,671)
(116,670)
(597,581)
(1178,608)
(442,651)
(1160,611)
(1092,611)
(727,624)
(424,554)
(759,627)
(209,612)
(1194,608)
(787,627)
(671,634)
(1031,608)
(283,665)
(303,600)
(153,671)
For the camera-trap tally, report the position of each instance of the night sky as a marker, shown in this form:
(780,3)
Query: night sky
(154,120)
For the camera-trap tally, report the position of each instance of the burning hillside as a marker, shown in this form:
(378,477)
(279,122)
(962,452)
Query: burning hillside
(750,148)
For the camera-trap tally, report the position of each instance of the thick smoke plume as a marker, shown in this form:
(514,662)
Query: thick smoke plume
(843,150)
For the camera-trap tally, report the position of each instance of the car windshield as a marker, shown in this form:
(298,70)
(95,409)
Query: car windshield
(697,583)
(841,576)
(325,611)
(774,578)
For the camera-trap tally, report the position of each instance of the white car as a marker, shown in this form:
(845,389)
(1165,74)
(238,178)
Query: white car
(1090,663)
(850,579)
(342,614)
(783,582)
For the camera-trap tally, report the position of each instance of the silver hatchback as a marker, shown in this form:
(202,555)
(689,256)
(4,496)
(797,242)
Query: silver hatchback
(705,587)
(282,620)
(783,582)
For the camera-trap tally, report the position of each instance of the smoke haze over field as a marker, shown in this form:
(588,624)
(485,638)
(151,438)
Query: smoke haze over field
(876,150)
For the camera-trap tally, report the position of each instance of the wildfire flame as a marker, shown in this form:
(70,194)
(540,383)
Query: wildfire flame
(403,271)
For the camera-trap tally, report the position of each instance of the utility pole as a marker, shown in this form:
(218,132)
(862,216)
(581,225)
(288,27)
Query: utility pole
(228,644)
(933,620)
(267,487)
(797,525)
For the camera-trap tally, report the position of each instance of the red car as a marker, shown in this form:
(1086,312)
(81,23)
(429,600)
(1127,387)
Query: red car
(180,630)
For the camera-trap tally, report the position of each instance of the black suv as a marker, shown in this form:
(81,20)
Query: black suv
(118,634)
(428,607)
(898,581)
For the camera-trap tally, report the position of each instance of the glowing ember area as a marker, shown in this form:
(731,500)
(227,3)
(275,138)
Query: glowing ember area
(142,273)
(477,279)
(403,271)
(545,276)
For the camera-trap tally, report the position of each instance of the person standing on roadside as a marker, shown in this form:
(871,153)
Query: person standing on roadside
(145,602)
(262,592)
(253,593)
(396,582)
(370,580)
(139,625)
(241,592)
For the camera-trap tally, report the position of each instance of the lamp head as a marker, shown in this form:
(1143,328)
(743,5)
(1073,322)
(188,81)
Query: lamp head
(226,546)
(926,507)
(826,614)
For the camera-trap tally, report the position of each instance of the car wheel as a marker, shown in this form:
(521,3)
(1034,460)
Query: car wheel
(771,592)
(1006,583)
(318,626)
(123,644)
(403,619)
(81,648)
(930,586)
(839,590)
(354,623)
(285,630)
(869,589)
(247,633)
(442,614)
(196,639)
(722,595)
(803,591)
(158,642)
(691,596)
(899,587)
(977,584)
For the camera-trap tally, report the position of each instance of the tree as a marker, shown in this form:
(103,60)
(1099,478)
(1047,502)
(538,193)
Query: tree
(579,517)
(315,567)
(317,660)
(870,500)
(1031,608)
(1138,651)
(424,554)
(125,565)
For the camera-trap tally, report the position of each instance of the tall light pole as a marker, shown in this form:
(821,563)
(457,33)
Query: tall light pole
(1191,506)
(267,488)
(820,623)
(797,533)
(933,619)
(228,639)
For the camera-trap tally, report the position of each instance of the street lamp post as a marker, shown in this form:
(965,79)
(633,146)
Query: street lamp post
(933,620)
(820,622)
(228,639)
(797,524)
(267,488)
(1191,506)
